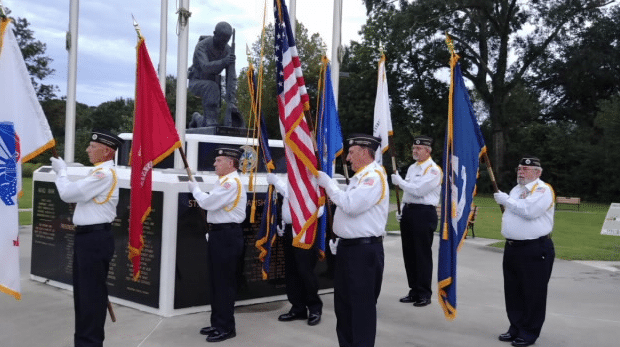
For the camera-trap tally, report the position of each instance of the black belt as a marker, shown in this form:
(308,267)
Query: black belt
(527,242)
(360,241)
(220,226)
(82,229)
(418,206)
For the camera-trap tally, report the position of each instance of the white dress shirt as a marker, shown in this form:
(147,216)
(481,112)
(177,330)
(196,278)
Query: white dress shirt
(226,202)
(362,209)
(422,184)
(96,194)
(529,211)
(282,188)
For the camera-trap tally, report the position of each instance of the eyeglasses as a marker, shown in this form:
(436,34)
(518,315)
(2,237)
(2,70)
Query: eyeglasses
(525,169)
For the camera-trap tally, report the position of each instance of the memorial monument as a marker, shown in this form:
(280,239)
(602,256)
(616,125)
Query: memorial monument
(212,56)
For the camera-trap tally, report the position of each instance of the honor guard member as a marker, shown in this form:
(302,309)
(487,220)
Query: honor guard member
(226,204)
(359,222)
(529,253)
(422,188)
(96,197)
(302,284)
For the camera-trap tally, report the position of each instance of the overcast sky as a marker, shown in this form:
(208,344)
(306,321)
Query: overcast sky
(107,40)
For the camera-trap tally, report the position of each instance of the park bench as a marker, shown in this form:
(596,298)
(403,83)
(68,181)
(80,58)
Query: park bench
(568,201)
(470,225)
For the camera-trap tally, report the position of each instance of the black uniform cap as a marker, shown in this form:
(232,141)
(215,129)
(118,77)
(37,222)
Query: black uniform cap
(107,138)
(530,161)
(228,151)
(423,140)
(364,140)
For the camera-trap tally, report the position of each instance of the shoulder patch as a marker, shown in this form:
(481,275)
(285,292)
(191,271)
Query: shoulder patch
(540,189)
(435,171)
(370,181)
(99,175)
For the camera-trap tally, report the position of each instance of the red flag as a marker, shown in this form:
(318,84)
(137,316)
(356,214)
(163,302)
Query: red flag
(154,138)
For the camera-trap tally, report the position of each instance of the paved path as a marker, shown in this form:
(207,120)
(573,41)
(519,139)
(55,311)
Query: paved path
(583,310)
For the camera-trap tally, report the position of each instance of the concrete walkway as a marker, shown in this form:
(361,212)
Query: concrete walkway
(583,310)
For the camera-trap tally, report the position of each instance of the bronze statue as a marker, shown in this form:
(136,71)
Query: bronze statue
(212,56)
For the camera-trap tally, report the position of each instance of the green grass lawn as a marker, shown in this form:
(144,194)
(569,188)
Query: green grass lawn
(576,234)
(25,218)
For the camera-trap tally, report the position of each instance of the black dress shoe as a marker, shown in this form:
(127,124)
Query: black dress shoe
(506,337)
(287,317)
(407,299)
(218,336)
(207,330)
(314,318)
(519,342)
(422,302)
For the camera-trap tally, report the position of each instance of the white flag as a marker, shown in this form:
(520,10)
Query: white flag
(382,119)
(18,100)
(25,134)
(10,177)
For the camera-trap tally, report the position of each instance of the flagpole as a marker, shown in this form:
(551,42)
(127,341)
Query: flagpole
(181,99)
(336,40)
(395,169)
(72,45)
(163,44)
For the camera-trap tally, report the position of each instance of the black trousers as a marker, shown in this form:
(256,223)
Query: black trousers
(225,249)
(92,251)
(302,284)
(527,270)
(417,226)
(357,284)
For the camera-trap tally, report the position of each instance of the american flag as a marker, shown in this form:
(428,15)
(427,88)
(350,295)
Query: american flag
(304,196)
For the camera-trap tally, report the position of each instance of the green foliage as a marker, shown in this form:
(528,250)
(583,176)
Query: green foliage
(29,168)
(37,63)
(193,104)
(486,35)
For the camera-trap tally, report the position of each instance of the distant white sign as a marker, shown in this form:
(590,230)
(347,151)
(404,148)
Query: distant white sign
(612,221)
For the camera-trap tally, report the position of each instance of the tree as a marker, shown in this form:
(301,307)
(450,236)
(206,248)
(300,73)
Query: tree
(488,34)
(310,48)
(37,62)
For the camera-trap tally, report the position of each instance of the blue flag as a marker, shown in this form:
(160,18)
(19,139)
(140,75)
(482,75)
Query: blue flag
(463,148)
(329,141)
(269,220)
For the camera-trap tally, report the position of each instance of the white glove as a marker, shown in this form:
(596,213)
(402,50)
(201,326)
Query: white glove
(324,179)
(192,185)
(399,216)
(333,245)
(272,178)
(396,179)
(501,198)
(321,211)
(280,229)
(58,164)
(207,237)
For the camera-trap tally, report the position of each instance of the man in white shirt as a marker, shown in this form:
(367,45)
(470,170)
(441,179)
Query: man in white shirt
(529,252)
(359,223)
(226,205)
(421,187)
(302,284)
(96,197)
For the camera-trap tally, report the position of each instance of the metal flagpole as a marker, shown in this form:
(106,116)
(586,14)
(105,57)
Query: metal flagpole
(292,11)
(336,40)
(163,45)
(181,100)
(72,45)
